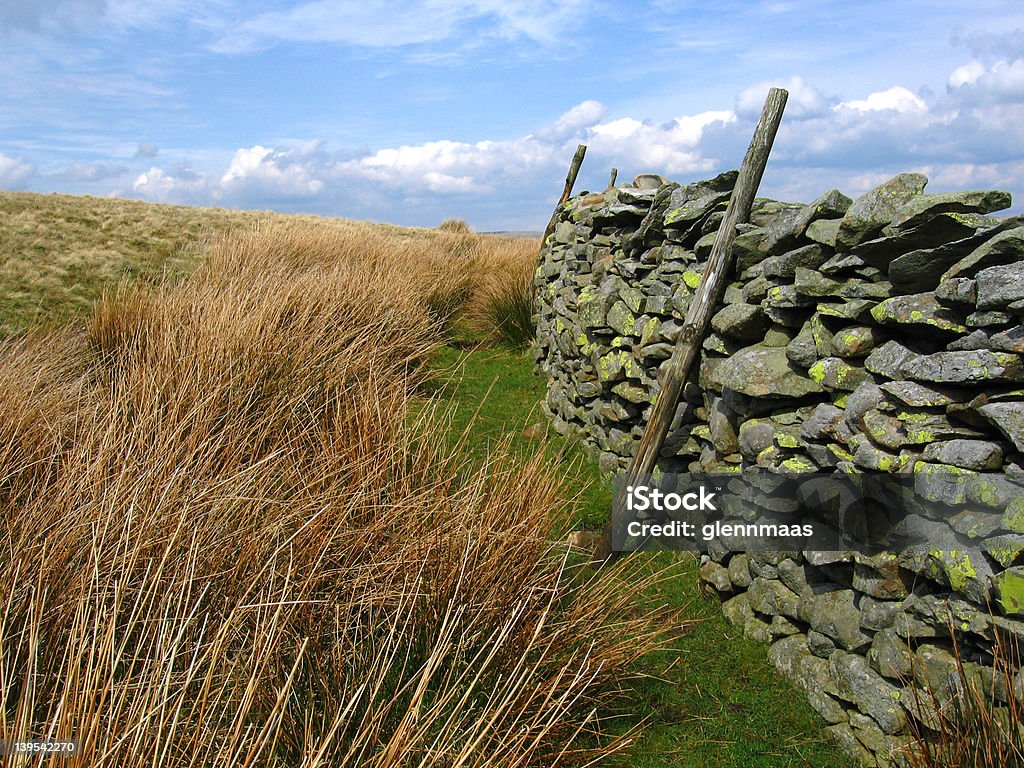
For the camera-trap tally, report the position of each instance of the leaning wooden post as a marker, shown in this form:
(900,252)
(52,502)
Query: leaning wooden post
(702,306)
(570,179)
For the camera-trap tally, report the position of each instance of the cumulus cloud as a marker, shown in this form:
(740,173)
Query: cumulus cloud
(1003,81)
(896,99)
(584,115)
(14,171)
(805,101)
(259,170)
(671,147)
(182,185)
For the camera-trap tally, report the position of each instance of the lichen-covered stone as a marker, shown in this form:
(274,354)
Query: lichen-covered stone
(958,292)
(823,231)
(875,209)
(835,615)
(943,228)
(1000,286)
(1005,549)
(926,206)
(857,682)
(949,391)
(856,341)
(979,455)
(784,265)
(921,310)
(964,367)
(1002,247)
(1009,588)
(1008,418)
(743,322)
(763,372)
(918,395)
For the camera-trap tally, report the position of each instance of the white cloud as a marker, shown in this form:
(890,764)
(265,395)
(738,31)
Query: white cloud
(586,114)
(897,99)
(1002,81)
(671,148)
(14,171)
(967,74)
(182,186)
(617,130)
(281,173)
(147,149)
(805,101)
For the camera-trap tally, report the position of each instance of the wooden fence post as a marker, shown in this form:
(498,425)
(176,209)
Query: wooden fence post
(570,179)
(676,370)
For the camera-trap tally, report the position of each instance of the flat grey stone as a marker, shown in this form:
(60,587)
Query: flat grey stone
(1008,418)
(760,371)
(979,455)
(1004,246)
(1001,285)
(926,206)
(823,231)
(945,228)
(964,367)
(874,210)
(958,292)
(919,310)
(784,265)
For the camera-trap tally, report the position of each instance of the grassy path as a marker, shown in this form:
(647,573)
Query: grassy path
(716,701)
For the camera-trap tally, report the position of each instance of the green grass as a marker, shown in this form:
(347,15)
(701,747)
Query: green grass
(712,698)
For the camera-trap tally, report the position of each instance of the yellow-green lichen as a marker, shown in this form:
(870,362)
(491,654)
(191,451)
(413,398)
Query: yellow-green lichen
(799,464)
(1011,592)
(957,566)
(787,440)
(817,371)
(1013,515)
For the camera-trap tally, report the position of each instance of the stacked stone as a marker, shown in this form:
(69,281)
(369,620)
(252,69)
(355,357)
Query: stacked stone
(884,334)
(614,283)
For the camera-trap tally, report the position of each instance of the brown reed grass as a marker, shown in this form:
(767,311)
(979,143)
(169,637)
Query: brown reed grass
(227,541)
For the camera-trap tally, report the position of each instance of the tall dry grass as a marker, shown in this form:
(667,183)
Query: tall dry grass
(502,303)
(976,722)
(227,542)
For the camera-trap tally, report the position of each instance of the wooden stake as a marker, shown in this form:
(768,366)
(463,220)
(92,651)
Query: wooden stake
(570,179)
(677,369)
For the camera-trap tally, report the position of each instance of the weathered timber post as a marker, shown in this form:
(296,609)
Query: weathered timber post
(570,179)
(613,177)
(675,372)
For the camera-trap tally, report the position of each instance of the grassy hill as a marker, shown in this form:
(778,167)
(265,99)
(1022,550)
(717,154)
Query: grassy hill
(266,494)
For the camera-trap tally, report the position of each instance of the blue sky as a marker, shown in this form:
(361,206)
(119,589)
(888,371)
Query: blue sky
(412,112)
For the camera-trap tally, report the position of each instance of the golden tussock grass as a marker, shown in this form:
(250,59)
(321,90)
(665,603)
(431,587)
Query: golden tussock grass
(227,540)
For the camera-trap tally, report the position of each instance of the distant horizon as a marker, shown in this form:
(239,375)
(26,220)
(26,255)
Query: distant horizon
(415,112)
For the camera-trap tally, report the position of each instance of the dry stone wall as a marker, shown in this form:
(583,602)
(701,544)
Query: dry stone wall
(884,334)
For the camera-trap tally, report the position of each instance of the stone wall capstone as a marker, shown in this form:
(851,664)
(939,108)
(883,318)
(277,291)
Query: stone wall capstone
(880,334)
